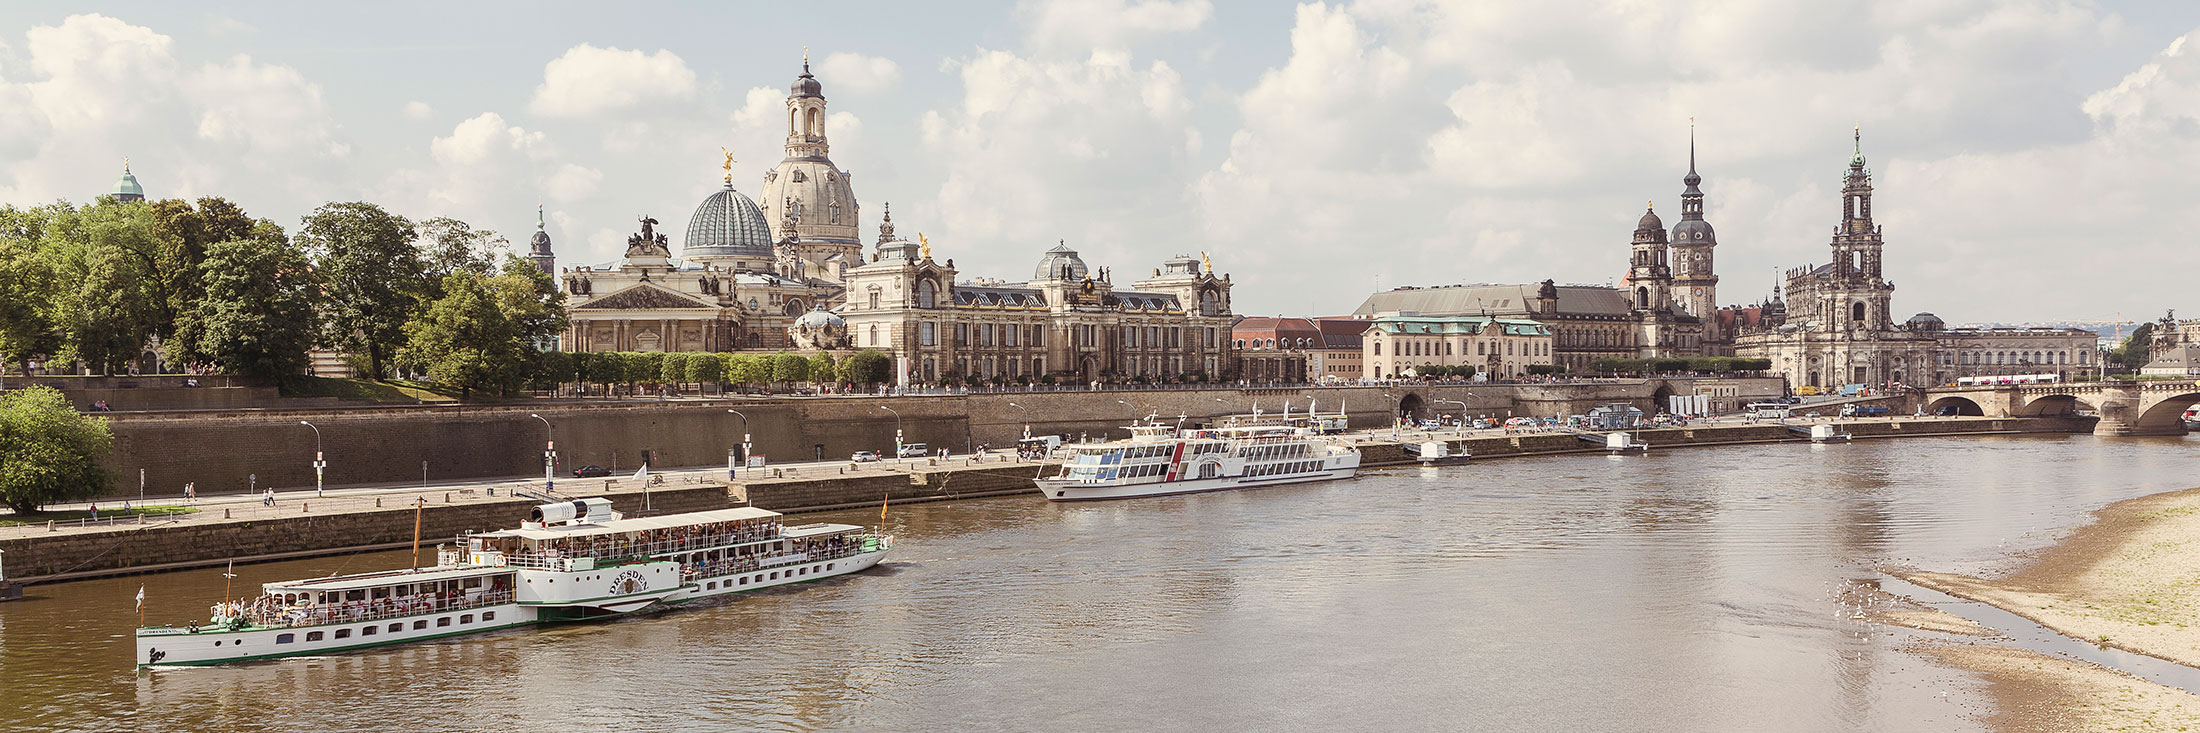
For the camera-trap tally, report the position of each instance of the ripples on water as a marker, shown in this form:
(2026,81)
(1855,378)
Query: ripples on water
(1683,590)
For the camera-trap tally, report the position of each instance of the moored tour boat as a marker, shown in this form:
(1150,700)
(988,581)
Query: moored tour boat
(571,561)
(1158,460)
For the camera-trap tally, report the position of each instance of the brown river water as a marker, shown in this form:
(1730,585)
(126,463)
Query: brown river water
(1682,590)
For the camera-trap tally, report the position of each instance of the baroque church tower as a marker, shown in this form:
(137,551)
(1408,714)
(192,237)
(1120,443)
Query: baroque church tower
(1695,287)
(1861,295)
(808,200)
(1649,276)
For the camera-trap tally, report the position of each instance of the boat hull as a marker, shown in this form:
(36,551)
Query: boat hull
(168,647)
(1057,490)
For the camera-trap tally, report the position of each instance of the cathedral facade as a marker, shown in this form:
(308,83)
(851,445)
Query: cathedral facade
(789,272)
(1835,326)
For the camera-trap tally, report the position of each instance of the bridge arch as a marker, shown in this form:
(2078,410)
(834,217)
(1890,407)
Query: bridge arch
(2164,416)
(2059,405)
(1962,405)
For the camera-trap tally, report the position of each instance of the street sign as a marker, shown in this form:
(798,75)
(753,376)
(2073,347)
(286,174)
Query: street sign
(756,461)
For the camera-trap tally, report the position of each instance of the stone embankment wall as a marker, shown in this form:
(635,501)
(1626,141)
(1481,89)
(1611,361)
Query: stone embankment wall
(203,543)
(234,450)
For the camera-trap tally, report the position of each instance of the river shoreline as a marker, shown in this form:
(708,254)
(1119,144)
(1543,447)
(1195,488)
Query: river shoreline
(2130,580)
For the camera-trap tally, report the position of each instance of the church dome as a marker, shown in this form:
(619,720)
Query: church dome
(1649,221)
(806,85)
(1694,230)
(127,188)
(818,317)
(1925,322)
(728,224)
(1060,263)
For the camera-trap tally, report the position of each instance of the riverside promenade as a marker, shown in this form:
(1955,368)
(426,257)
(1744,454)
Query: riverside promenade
(241,527)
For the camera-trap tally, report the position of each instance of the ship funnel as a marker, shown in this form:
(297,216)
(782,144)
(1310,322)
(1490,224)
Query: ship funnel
(559,512)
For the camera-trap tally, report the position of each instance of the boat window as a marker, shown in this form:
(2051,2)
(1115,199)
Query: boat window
(466,619)
(394,628)
(343,633)
(313,636)
(421,624)
(488,615)
(775,575)
(710,586)
(285,638)
(445,621)
(369,630)
(828,566)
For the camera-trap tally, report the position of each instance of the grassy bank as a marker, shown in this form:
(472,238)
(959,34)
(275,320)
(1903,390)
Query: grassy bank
(363,390)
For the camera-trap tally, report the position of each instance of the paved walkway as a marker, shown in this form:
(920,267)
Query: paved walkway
(335,500)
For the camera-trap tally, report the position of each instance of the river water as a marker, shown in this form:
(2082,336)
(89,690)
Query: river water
(1684,590)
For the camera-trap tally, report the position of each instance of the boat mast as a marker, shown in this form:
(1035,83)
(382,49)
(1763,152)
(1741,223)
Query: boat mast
(420,504)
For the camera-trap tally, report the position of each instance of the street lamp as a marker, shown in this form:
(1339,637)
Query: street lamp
(897,429)
(1027,419)
(549,453)
(318,464)
(1462,411)
(744,442)
(1394,416)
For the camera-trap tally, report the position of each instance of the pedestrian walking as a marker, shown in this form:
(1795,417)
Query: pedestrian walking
(268,499)
(191,493)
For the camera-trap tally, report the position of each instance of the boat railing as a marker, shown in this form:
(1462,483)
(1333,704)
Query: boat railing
(858,545)
(274,616)
(613,551)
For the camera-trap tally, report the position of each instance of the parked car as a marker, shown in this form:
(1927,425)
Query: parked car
(1808,390)
(591,471)
(1521,422)
(914,450)
(864,456)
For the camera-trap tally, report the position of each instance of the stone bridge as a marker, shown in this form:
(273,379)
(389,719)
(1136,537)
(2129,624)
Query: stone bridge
(2125,407)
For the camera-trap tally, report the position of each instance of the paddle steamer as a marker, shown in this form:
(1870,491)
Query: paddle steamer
(1158,460)
(570,561)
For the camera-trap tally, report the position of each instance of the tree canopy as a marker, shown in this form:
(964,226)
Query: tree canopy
(49,452)
(464,340)
(371,275)
(256,314)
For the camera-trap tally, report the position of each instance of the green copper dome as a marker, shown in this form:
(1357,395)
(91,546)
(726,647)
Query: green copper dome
(126,187)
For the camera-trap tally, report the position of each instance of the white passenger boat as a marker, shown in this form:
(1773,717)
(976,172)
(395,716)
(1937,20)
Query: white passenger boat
(1159,460)
(571,561)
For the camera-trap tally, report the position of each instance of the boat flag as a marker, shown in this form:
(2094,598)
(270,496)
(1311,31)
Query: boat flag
(141,597)
(642,474)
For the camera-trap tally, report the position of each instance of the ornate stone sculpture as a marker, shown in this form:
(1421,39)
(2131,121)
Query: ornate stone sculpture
(819,329)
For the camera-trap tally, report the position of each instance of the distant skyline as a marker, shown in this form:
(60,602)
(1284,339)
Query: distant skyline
(2033,160)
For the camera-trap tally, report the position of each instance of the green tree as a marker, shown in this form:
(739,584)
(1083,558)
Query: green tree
(706,368)
(463,338)
(552,368)
(48,451)
(821,367)
(531,301)
(188,232)
(640,368)
(371,278)
(449,246)
(30,293)
(674,367)
(790,368)
(2137,349)
(749,369)
(865,367)
(255,315)
(114,308)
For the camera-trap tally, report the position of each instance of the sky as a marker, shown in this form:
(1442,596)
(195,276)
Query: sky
(2034,159)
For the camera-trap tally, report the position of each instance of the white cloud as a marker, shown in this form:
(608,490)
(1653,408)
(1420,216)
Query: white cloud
(570,183)
(1078,26)
(476,140)
(589,80)
(271,108)
(859,73)
(1038,150)
(418,110)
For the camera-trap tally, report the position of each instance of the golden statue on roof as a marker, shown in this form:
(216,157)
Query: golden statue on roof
(924,246)
(1208,261)
(728,165)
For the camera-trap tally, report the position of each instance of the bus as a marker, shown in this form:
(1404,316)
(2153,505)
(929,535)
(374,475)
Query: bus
(1768,410)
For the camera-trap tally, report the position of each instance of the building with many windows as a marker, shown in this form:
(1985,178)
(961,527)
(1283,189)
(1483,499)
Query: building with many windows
(1836,324)
(1502,348)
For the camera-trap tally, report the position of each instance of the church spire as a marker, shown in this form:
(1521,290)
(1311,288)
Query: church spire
(886,225)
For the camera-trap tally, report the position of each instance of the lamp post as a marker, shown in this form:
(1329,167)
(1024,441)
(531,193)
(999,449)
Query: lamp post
(318,464)
(1462,411)
(549,454)
(1394,416)
(744,442)
(1027,419)
(897,429)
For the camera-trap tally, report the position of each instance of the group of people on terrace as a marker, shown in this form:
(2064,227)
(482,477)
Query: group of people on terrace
(276,609)
(654,541)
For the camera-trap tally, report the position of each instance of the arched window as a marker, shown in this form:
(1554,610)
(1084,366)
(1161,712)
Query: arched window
(927,294)
(874,335)
(816,123)
(1856,311)
(874,297)
(1642,298)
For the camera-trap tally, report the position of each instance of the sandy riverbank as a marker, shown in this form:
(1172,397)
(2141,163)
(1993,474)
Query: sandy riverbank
(2129,580)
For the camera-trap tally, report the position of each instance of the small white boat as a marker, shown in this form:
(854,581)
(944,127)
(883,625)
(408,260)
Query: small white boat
(1823,433)
(571,561)
(1622,443)
(1158,460)
(1438,453)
